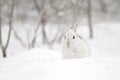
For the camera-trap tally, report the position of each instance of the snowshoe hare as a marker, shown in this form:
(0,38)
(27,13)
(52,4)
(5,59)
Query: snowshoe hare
(74,46)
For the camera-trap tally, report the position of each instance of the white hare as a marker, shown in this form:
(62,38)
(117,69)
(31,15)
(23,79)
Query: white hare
(74,46)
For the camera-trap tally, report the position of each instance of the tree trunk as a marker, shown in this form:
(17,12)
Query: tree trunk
(103,6)
(44,34)
(4,48)
(43,30)
(90,18)
(4,53)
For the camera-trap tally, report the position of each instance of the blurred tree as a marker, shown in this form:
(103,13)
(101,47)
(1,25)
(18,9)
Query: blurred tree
(103,6)
(4,47)
(89,14)
(42,20)
(43,12)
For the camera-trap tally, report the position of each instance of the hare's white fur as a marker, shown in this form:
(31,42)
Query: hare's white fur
(74,47)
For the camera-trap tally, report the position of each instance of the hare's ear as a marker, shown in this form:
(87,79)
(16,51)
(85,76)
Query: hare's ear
(74,27)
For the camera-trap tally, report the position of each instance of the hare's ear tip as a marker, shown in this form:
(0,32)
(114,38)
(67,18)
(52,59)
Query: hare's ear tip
(74,27)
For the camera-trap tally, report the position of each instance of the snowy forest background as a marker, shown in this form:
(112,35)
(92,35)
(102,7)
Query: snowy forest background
(27,24)
(31,32)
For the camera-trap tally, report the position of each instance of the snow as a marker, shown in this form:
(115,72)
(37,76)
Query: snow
(45,64)
(106,39)
(58,69)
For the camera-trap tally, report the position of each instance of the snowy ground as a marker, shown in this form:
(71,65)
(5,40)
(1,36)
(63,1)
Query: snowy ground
(31,66)
(45,64)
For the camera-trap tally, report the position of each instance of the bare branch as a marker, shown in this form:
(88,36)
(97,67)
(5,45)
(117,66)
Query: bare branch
(0,26)
(41,12)
(10,23)
(37,29)
(18,37)
(37,6)
(34,36)
(89,14)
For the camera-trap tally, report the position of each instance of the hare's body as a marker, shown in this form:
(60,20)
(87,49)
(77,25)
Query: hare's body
(74,46)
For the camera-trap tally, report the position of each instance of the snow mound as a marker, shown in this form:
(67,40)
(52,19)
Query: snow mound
(44,64)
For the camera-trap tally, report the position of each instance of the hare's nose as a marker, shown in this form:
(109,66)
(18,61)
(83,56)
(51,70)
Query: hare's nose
(68,44)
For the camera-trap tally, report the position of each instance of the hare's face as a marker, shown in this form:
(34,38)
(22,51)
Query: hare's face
(70,38)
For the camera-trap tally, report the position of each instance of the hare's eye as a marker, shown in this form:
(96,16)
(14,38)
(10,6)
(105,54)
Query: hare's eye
(73,37)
